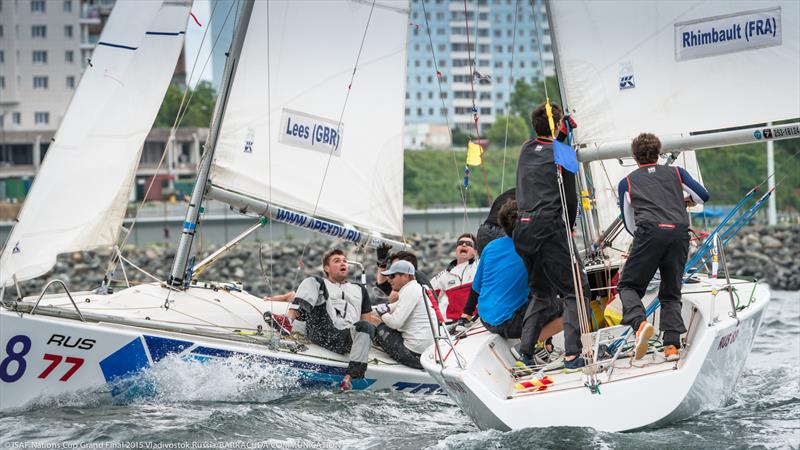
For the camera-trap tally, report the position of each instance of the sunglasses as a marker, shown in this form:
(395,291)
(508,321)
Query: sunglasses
(467,243)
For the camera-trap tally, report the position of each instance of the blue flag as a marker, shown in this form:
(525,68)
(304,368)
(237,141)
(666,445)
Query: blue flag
(565,156)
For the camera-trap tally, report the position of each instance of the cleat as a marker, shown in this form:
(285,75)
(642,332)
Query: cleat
(643,335)
(672,353)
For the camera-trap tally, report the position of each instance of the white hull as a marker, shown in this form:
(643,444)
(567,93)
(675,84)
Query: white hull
(52,353)
(631,398)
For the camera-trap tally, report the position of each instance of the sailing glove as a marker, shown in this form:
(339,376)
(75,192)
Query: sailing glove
(567,120)
(382,252)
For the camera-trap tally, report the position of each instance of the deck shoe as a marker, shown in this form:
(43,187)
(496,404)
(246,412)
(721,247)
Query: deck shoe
(643,335)
(574,364)
(541,356)
(672,353)
(346,384)
(279,322)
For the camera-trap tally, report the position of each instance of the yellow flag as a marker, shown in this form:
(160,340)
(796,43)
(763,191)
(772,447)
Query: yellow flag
(474,152)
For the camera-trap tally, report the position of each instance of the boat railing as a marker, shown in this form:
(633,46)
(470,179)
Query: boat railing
(66,290)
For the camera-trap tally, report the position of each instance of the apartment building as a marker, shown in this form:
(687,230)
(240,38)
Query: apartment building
(448,38)
(44,47)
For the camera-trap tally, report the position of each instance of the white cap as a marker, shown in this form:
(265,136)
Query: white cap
(400,266)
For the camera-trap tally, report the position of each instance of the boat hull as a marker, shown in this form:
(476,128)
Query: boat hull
(704,379)
(42,356)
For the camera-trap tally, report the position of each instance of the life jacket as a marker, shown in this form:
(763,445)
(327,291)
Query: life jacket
(452,287)
(342,311)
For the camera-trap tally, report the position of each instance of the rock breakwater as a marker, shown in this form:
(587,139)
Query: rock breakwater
(765,253)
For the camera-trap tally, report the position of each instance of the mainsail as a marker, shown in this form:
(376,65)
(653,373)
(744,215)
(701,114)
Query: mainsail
(79,197)
(632,67)
(676,68)
(297,135)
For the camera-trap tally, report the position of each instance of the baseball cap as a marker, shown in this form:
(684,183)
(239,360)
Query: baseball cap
(400,266)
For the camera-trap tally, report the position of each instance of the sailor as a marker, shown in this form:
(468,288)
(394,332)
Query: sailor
(451,286)
(335,312)
(382,285)
(540,237)
(490,229)
(501,291)
(653,209)
(404,327)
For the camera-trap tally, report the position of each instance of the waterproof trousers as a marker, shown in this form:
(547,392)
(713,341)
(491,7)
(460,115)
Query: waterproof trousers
(392,342)
(356,340)
(527,322)
(663,248)
(542,243)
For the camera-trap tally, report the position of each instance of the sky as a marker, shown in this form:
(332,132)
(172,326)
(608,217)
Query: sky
(194,38)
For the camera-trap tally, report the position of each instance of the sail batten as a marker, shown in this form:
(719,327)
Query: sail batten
(81,191)
(297,133)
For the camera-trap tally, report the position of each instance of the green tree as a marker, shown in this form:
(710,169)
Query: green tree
(527,96)
(198,112)
(460,138)
(518,131)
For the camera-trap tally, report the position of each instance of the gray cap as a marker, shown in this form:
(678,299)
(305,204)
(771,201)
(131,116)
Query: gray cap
(400,266)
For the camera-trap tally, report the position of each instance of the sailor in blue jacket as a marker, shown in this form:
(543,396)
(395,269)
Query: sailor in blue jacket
(653,209)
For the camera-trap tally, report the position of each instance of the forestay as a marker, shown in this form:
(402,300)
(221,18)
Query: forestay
(672,68)
(282,140)
(78,200)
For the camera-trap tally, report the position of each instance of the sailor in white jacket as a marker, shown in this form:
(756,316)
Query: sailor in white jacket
(404,329)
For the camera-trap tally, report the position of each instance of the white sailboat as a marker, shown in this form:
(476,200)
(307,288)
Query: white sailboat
(307,131)
(697,74)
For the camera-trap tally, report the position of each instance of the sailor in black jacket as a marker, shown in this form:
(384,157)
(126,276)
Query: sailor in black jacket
(654,211)
(540,236)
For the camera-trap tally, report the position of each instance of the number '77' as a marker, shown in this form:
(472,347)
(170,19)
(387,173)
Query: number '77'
(55,360)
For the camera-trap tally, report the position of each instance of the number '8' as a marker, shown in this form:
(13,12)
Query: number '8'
(15,356)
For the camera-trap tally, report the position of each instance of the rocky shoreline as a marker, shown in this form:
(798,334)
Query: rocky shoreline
(765,253)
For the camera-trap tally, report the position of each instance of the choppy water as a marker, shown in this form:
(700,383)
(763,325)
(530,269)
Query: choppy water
(238,405)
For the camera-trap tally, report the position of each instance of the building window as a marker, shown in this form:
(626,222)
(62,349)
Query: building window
(39,31)
(16,118)
(1,27)
(40,56)
(69,56)
(2,57)
(486,111)
(70,82)
(2,120)
(37,6)
(430,111)
(408,111)
(67,6)
(419,111)
(40,82)
(68,31)
(41,118)
(2,82)
(440,32)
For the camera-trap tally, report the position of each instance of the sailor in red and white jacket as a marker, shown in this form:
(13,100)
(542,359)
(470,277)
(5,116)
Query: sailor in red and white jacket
(452,285)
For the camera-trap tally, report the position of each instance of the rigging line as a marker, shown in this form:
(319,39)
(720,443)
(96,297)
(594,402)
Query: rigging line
(472,89)
(508,103)
(539,38)
(338,129)
(182,108)
(269,166)
(444,107)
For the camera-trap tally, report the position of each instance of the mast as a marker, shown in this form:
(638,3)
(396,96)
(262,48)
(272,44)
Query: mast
(193,212)
(588,232)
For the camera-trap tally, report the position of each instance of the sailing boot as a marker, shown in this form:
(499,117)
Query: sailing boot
(643,335)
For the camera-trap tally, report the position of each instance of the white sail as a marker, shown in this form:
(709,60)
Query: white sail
(672,68)
(282,140)
(79,197)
